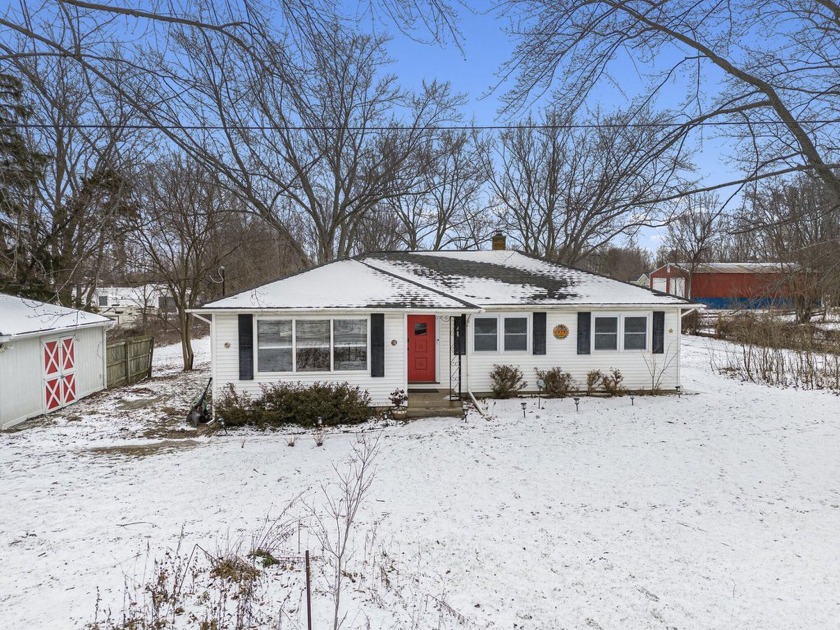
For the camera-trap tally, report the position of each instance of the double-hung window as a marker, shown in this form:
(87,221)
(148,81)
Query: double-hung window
(512,329)
(274,345)
(606,333)
(635,333)
(620,332)
(486,333)
(516,334)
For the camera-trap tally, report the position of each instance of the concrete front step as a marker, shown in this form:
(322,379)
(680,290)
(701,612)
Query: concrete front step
(434,412)
(430,399)
(428,404)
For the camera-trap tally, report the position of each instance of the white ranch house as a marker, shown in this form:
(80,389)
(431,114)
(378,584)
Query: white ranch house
(50,356)
(417,320)
(125,305)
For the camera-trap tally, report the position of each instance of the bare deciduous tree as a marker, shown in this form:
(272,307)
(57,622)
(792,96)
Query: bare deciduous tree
(335,527)
(695,231)
(83,194)
(181,210)
(794,222)
(320,133)
(442,209)
(564,191)
(625,263)
(767,69)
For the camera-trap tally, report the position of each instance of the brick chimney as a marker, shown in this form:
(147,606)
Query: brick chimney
(499,241)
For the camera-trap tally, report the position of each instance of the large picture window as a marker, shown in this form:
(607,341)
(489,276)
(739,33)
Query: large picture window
(312,345)
(274,343)
(350,344)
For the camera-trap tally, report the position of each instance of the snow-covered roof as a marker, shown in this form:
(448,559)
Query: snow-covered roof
(344,284)
(509,278)
(441,281)
(22,316)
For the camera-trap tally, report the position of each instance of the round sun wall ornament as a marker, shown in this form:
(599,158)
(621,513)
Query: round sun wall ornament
(560,331)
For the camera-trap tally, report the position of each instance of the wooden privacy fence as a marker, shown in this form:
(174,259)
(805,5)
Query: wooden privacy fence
(129,360)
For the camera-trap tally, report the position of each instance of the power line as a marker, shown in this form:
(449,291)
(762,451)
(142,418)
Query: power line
(514,127)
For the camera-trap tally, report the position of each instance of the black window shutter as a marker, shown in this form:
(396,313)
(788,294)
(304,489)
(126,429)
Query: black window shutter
(659,332)
(584,330)
(377,344)
(539,333)
(460,335)
(246,347)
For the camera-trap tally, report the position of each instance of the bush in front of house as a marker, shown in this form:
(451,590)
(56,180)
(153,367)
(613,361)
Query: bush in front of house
(610,382)
(237,409)
(507,380)
(294,403)
(556,382)
(593,380)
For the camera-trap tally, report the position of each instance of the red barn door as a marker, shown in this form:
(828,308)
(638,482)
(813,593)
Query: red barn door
(59,372)
(421,348)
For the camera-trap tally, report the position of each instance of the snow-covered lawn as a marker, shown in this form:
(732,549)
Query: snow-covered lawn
(719,509)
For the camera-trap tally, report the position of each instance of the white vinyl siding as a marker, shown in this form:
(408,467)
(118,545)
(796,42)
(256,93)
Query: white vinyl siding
(641,368)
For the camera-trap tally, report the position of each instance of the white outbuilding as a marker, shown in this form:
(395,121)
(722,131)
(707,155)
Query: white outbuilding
(50,356)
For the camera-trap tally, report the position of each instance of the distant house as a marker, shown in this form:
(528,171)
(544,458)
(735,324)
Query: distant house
(728,285)
(442,320)
(128,304)
(50,356)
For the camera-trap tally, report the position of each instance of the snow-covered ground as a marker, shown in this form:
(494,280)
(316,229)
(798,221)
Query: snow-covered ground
(718,509)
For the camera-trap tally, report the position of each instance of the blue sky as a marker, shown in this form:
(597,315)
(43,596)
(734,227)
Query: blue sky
(475,72)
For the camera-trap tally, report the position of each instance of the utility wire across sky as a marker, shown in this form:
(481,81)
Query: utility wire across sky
(534,126)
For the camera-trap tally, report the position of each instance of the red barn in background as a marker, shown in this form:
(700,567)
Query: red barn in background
(729,285)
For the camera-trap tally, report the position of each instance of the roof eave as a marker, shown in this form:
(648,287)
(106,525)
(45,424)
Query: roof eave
(53,331)
(334,309)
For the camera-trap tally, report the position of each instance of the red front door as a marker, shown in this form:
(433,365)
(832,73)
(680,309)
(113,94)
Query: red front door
(421,348)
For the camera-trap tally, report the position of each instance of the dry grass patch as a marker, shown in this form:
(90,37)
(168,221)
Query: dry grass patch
(144,450)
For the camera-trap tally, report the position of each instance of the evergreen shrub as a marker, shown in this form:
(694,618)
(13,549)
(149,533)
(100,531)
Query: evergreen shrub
(294,403)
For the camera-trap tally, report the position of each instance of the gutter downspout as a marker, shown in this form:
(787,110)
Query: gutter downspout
(477,406)
(467,370)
